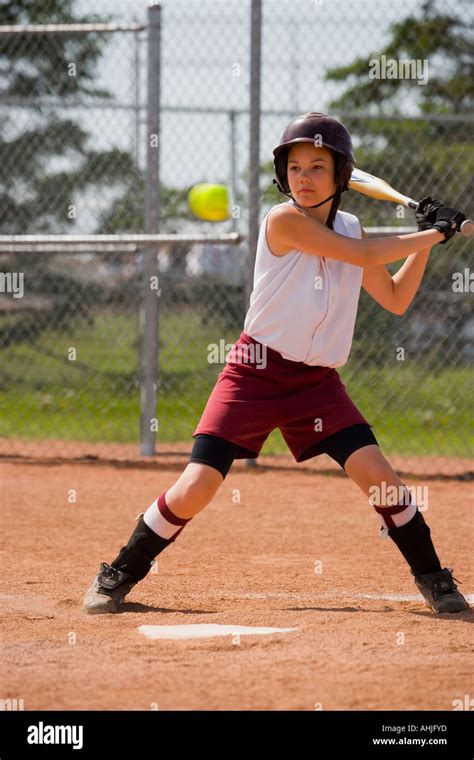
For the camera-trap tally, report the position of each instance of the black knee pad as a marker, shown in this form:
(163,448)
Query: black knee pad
(342,444)
(213,451)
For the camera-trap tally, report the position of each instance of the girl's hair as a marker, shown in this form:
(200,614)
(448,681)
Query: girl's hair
(342,174)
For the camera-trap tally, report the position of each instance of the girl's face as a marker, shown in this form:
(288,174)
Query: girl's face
(310,173)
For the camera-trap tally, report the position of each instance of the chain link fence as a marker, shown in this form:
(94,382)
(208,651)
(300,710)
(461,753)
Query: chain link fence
(75,141)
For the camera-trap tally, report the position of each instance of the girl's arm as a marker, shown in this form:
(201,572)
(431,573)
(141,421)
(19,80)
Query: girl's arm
(296,229)
(407,280)
(396,293)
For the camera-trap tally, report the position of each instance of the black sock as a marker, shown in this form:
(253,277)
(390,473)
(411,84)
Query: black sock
(143,546)
(414,542)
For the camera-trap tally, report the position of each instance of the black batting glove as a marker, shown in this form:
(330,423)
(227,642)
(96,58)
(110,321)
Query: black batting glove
(426,213)
(448,221)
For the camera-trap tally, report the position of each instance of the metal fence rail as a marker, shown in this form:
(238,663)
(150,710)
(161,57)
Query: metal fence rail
(101,243)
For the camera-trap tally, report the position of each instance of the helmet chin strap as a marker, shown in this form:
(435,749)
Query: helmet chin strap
(316,205)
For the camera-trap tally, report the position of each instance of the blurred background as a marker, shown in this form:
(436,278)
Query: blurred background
(74,142)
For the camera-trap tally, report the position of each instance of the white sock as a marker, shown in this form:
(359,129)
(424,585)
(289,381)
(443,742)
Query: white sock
(162,521)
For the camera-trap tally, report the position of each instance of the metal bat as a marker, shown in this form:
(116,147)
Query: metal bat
(375,187)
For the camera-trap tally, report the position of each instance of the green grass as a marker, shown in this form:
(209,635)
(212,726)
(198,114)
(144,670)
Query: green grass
(96,397)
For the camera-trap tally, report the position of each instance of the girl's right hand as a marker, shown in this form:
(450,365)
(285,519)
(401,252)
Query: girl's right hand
(448,222)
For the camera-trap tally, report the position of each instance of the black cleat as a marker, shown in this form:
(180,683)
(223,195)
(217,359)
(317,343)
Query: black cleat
(440,591)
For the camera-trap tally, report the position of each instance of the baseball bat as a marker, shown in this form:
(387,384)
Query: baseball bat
(375,187)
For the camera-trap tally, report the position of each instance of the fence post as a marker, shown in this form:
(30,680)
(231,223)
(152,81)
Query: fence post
(254,154)
(149,316)
(233,164)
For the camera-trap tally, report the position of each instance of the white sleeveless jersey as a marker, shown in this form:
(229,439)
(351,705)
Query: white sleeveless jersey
(305,306)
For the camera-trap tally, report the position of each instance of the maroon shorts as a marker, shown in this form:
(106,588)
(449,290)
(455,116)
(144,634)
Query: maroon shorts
(259,390)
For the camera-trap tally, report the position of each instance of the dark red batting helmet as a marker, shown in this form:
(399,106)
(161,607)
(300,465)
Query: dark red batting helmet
(321,130)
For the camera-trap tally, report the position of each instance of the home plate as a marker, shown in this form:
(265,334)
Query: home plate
(205,631)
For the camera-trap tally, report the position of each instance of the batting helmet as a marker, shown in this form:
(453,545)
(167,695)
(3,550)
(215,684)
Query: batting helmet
(321,130)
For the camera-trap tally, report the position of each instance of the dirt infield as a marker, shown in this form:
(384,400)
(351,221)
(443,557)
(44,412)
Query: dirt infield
(301,549)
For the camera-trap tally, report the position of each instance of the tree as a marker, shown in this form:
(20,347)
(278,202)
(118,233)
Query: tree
(34,196)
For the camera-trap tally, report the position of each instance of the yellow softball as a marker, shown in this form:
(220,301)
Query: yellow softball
(209,202)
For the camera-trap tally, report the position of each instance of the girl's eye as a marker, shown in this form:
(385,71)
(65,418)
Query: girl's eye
(295,168)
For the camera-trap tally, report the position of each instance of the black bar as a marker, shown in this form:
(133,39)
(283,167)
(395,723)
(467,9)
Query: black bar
(422,734)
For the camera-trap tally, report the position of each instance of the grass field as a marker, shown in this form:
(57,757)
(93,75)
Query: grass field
(43,394)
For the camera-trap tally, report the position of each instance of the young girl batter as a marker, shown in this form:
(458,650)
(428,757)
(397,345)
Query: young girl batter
(311,262)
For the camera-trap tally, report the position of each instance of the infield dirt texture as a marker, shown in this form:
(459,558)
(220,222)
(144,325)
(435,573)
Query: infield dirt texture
(301,549)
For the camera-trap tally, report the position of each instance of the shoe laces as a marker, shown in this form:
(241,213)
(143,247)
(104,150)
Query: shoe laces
(107,571)
(445,585)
